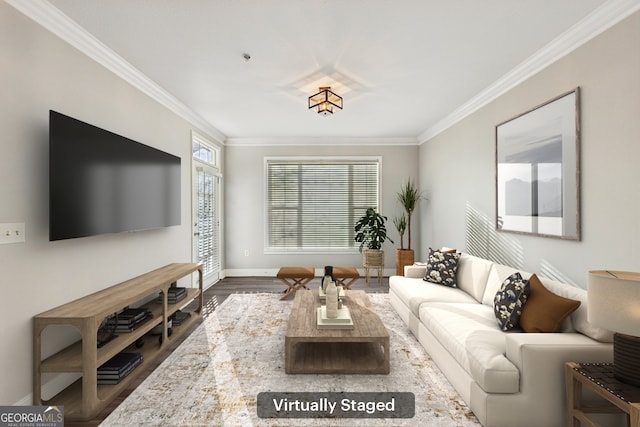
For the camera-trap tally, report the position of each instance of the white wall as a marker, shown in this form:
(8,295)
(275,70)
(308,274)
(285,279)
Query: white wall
(457,167)
(40,72)
(244,200)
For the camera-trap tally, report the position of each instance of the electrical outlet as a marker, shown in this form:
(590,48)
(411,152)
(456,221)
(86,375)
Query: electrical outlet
(246,252)
(12,232)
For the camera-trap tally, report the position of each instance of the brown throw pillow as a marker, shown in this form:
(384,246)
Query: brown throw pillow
(544,310)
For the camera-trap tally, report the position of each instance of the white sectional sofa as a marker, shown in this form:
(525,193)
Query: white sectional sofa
(507,378)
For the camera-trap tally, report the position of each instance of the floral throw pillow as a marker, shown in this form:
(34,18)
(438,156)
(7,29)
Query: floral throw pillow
(442,267)
(510,300)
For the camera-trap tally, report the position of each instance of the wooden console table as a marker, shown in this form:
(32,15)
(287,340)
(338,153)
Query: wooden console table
(598,377)
(84,399)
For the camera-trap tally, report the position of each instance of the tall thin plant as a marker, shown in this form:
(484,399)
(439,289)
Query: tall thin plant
(408,197)
(401,225)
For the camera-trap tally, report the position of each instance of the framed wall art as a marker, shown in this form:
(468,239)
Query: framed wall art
(538,170)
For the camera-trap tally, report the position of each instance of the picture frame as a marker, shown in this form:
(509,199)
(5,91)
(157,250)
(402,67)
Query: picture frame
(538,170)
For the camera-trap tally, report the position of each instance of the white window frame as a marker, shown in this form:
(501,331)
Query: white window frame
(201,141)
(318,159)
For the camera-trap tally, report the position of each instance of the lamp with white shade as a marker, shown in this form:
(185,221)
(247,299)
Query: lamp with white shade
(614,304)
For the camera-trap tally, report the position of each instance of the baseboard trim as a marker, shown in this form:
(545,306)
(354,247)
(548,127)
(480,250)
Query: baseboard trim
(50,388)
(272,272)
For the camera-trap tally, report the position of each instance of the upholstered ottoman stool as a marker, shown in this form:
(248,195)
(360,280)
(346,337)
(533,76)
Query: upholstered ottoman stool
(295,278)
(342,274)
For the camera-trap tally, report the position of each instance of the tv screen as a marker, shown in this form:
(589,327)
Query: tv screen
(101,182)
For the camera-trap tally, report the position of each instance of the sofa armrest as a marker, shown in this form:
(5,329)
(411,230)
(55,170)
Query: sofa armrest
(540,357)
(415,271)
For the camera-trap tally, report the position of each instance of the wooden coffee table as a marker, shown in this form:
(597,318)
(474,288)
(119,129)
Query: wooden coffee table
(361,350)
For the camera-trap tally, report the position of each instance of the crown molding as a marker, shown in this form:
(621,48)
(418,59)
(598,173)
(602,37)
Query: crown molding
(326,141)
(51,18)
(601,19)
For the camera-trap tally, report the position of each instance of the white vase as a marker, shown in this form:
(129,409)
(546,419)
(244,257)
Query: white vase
(332,300)
(325,281)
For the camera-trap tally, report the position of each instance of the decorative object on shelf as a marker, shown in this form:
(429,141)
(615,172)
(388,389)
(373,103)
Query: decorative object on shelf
(131,319)
(175,294)
(538,170)
(324,101)
(107,328)
(332,300)
(118,367)
(613,300)
(408,196)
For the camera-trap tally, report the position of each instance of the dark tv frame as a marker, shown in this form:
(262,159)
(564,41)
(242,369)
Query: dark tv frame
(102,183)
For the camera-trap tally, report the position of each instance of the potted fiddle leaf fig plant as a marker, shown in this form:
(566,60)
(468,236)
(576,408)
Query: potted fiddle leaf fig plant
(408,196)
(371,233)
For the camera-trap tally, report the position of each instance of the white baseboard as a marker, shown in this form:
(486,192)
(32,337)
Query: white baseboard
(50,388)
(272,272)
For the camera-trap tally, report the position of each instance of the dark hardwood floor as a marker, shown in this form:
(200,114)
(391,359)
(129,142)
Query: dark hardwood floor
(213,297)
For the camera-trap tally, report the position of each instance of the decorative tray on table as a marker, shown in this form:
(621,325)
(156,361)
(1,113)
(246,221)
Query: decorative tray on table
(343,321)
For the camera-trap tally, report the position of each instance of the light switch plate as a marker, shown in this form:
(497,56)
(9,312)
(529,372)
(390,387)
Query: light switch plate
(12,232)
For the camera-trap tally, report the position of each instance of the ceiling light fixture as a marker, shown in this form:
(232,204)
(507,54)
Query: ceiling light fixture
(324,101)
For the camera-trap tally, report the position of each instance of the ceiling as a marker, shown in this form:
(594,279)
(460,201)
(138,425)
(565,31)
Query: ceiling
(402,66)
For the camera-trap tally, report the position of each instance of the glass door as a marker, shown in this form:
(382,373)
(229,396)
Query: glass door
(206,221)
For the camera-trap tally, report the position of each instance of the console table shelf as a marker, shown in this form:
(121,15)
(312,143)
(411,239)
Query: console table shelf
(84,399)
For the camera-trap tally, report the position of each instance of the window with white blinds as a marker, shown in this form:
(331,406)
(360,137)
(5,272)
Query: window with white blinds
(313,204)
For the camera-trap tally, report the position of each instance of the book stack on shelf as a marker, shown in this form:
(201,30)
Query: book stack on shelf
(174,295)
(131,318)
(343,321)
(118,367)
(178,317)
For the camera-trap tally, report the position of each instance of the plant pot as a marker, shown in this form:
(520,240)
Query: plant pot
(403,257)
(373,259)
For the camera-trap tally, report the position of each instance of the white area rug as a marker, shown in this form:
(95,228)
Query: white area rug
(214,377)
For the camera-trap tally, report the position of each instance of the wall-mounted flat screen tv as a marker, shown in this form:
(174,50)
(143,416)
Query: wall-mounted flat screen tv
(101,182)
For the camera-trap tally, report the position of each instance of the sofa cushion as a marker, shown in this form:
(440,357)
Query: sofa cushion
(579,318)
(544,310)
(472,275)
(471,336)
(510,300)
(441,267)
(497,276)
(414,292)
(489,365)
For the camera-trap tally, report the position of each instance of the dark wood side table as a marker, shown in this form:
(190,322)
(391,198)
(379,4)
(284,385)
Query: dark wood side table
(598,377)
